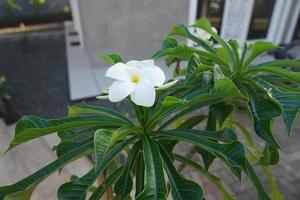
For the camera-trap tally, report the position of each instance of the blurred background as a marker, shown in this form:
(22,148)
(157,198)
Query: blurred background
(50,58)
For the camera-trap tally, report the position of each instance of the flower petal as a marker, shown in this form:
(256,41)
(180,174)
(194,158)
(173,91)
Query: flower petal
(150,71)
(118,71)
(143,94)
(154,74)
(119,90)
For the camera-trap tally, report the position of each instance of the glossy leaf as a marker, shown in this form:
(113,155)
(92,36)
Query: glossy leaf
(232,153)
(182,30)
(212,178)
(30,127)
(155,186)
(77,189)
(139,174)
(109,181)
(292,76)
(191,122)
(280,63)
(30,182)
(84,108)
(182,188)
(205,25)
(102,140)
(288,101)
(124,184)
(262,112)
(221,111)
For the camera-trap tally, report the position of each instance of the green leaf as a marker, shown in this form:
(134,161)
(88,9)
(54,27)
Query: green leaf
(207,157)
(221,111)
(261,193)
(112,58)
(84,108)
(65,147)
(232,153)
(182,188)
(155,186)
(170,101)
(27,184)
(182,30)
(205,25)
(258,48)
(124,184)
(270,156)
(183,52)
(280,63)
(77,189)
(292,76)
(139,174)
(78,134)
(102,140)
(191,122)
(262,112)
(168,43)
(30,127)
(288,101)
(109,181)
(212,178)
(226,88)
(193,64)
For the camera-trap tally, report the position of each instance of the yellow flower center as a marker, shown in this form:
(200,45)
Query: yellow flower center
(135,78)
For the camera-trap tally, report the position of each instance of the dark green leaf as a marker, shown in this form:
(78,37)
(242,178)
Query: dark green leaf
(124,184)
(155,186)
(221,111)
(102,140)
(288,101)
(111,179)
(182,30)
(205,25)
(191,122)
(139,174)
(182,188)
(262,112)
(78,134)
(215,180)
(30,182)
(84,108)
(232,153)
(30,127)
(280,63)
(288,75)
(78,188)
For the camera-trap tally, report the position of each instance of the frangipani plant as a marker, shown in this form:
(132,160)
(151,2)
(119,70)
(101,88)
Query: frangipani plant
(218,78)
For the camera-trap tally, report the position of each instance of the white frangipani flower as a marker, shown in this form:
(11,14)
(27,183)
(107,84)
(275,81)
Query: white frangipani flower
(137,79)
(203,34)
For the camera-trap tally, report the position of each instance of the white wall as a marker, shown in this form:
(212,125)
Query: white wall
(133,28)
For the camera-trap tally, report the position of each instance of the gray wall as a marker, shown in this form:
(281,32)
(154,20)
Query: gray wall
(133,28)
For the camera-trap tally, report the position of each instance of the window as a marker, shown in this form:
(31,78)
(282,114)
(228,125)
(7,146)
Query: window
(212,10)
(261,18)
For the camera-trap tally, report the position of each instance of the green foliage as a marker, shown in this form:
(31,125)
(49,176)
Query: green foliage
(220,79)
